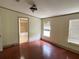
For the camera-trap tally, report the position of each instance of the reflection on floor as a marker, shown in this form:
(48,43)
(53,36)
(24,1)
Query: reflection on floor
(37,50)
(23,37)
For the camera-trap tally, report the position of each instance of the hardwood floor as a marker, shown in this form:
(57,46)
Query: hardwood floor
(37,50)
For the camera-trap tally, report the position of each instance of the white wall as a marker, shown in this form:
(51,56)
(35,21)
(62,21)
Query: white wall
(35,29)
(10,26)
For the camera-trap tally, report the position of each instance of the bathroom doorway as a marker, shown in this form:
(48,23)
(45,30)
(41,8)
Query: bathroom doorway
(23,30)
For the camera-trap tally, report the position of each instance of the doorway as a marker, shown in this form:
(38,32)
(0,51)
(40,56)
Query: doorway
(23,30)
(1,33)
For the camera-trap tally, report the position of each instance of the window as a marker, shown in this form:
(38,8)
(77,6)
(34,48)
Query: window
(74,31)
(46,28)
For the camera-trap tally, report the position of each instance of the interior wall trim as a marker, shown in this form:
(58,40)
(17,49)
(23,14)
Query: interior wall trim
(10,45)
(38,17)
(17,11)
(62,15)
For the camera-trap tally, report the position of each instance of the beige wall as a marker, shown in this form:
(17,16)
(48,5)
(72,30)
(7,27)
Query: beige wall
(24,26)
(10,26)
(59,30)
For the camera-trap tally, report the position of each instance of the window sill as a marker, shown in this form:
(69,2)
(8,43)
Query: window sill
(73,43)
(45,37)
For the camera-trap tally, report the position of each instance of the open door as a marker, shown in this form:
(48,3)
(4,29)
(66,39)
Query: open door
(23,30)
(1,48)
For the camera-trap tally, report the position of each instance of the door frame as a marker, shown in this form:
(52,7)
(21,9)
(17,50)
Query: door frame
(18,19)
(1,35)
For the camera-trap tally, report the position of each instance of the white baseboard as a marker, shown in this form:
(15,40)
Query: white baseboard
(1,50)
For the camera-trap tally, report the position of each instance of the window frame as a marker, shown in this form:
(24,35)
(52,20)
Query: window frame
(47,30)
(72,41)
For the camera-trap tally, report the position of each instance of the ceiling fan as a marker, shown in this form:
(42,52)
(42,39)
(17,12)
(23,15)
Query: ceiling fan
(32,3)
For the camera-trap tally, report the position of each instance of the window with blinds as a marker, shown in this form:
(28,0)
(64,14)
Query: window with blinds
(46,28)
(74,31)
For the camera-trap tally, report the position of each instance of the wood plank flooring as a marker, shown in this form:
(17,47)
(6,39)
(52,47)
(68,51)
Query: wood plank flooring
(37,50)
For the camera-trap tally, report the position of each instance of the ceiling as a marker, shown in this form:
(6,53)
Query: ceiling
(46,8)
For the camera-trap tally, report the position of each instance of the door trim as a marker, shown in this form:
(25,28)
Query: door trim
(18,28)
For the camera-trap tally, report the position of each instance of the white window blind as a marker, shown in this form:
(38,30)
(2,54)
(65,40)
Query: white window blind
(74,31)
(46,28)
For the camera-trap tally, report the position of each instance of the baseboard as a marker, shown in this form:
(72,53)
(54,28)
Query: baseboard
(60,46)
(11,45)
(1,50)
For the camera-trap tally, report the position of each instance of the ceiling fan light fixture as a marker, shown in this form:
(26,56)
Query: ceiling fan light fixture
(33,8)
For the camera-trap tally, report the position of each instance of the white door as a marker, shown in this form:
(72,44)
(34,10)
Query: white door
(0,35)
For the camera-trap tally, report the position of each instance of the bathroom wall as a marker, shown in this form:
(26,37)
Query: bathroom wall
(10,26)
